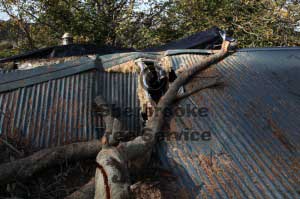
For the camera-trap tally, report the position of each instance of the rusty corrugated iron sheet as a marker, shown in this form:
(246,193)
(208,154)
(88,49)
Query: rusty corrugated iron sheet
(51,113)
(254,119)
(22,78)
(120,90)
(53,105)
(111,60)
(254,122)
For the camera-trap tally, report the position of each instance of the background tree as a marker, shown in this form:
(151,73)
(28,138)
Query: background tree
(140,24)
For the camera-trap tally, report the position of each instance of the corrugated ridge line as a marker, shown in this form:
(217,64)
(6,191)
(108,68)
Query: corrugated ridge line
(223,185)
(121,89)
(24,78)
(240,96)
(51,113)
(218,178)
(179,60)
(275,142)
(120,58)
(278,90)
(278,144)
(266,105)
(242,146)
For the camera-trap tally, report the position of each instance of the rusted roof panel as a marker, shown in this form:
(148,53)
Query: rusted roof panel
(253,119)
(22,78)
(53,105)
(120,90)
(111,60)
(51,113)
(254,122)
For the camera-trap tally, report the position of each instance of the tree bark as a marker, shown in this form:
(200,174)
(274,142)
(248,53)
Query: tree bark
(210,84)
(85,192)
(26,167)
(112,177)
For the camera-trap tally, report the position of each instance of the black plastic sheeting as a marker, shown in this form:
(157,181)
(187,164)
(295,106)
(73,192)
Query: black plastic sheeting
(205,39)
(202,40)
(65,51)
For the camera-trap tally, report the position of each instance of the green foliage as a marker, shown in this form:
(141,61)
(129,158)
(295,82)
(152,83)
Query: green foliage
(253,23)
(8,53)
(5,45)
(128,23)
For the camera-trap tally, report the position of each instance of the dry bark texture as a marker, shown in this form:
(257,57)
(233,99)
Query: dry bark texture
(39,161)
(85,192)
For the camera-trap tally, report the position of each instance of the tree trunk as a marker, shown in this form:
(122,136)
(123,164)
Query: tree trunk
(112,180)
(85,192)
(26,167)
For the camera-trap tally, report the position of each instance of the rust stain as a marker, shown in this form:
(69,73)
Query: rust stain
(295,169)
(280,136)
(204,162)
(212,165)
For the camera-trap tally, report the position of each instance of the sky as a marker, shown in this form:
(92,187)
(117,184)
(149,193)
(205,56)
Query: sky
(3,16)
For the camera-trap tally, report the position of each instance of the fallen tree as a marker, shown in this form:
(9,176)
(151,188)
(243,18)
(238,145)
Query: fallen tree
(115,159)
(112,174)
(26,167)
(85,192)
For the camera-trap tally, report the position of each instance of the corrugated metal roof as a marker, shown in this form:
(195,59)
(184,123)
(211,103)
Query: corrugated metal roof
(111,60)
(254,121)
(121,90)
(51,113)
(22,78)
(53,105)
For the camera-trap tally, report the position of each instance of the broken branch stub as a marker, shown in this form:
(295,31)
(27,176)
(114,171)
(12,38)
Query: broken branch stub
(210,84)
(112,125)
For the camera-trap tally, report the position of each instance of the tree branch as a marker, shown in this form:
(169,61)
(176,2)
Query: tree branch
(210,84)
(112,180)
(85,192)
(26,167)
